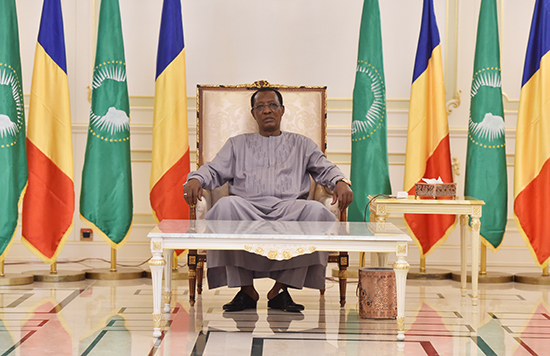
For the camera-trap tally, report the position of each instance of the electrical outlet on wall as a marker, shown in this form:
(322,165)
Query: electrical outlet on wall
(86,235)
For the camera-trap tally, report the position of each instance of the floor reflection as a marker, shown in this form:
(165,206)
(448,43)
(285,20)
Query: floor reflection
(115,318)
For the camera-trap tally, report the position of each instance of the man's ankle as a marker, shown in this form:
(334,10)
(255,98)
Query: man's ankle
(251,291)
(275,290)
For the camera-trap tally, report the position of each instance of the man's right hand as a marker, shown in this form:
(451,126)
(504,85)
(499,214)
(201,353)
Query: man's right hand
(192,192)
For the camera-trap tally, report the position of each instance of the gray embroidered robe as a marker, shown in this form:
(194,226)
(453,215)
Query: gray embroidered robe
(269,179)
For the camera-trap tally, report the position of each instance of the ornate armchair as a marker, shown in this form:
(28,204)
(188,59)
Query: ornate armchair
(224,111)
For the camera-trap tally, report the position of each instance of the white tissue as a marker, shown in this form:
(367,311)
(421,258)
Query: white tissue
(433,181)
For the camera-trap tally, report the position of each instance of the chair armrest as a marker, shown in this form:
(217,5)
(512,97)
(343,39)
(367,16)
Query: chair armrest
(326,200)
(324,196)
(204,205)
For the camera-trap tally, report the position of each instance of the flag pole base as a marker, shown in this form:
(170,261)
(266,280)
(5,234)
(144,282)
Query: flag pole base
(429,274)
(532,278)
(58,276)
(119,274)
(16,279)
(488,277)
(177,274)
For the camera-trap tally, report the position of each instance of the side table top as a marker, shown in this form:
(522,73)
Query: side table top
(412,200)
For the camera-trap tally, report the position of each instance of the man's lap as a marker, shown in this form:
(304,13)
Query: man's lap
(237,208)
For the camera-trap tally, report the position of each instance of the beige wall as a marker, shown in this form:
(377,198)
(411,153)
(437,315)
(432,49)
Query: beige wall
(294,42)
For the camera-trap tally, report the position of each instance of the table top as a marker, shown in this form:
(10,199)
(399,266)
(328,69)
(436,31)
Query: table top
(412,200)
(323,236)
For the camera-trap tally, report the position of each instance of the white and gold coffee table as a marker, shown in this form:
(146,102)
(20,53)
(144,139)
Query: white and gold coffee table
(275,240)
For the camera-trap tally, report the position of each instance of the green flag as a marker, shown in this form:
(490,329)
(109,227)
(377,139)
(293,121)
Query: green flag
(13,159)
(369,151)
(486,158)
(106,196)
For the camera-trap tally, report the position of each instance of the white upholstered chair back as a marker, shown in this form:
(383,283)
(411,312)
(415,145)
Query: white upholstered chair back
(224,111)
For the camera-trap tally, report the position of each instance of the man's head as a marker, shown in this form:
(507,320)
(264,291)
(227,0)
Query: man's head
(268,110)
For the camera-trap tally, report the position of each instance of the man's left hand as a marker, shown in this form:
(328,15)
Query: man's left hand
(343,195)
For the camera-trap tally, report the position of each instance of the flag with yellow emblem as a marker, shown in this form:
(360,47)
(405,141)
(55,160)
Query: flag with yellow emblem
(106,203)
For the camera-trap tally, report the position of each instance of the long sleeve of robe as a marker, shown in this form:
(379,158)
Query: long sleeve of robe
(276,166)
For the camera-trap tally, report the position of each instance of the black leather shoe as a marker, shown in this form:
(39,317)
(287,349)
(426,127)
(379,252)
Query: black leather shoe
(283,301)
(240,302)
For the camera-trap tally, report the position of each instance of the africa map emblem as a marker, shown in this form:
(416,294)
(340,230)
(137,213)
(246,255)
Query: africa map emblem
(486,128)
(11,111)
(371,110)
(108,122)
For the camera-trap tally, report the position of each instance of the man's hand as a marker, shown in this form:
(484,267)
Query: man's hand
(343,195)
(192,192)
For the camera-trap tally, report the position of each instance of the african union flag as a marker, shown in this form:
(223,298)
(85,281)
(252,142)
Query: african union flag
(106,202)
(369,151)
(486,177)
(13,159)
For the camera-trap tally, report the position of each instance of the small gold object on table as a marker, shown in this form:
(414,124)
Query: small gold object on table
(435,190)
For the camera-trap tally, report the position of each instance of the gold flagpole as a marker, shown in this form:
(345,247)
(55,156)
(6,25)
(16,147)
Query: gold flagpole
(113,260)
(483,267)
(53,267)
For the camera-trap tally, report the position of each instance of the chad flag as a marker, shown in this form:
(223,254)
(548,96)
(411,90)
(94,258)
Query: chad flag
(532,160)
(170,163)
(48,205)
(428,153)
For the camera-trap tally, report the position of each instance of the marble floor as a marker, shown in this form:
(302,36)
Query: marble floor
(93,317)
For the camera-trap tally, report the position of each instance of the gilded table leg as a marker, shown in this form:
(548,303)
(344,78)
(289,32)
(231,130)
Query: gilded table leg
(373,255)
(476,225)
(463,253)
(192,260)
(200,274)
(156,264)
(401,268)
(379,215)
(168,281)
(343,263)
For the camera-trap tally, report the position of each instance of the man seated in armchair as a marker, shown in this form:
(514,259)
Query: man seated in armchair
(269,179)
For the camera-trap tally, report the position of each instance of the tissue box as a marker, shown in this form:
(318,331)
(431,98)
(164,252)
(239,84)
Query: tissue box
(435,190)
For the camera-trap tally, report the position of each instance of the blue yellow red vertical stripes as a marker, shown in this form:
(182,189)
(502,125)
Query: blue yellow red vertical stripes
(428,149)
(170,161)
(428,40)
(532,156)
(51,35)
(171,42)
(48,205)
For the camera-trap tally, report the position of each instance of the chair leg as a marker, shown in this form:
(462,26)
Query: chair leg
(192,265)
(200,274)
(322,291)
(343,262)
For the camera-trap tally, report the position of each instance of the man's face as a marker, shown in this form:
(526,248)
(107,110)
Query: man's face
(268,112)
